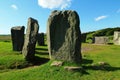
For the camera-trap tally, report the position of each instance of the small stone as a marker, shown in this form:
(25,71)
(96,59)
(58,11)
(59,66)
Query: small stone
(103,63)
(93,64)
(72,68)
(57,63)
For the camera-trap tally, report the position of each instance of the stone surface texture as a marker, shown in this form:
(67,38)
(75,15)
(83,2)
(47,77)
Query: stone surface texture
(57,63)
(72,68)
(101,40)
(64,36)
(116,39)
(17,35)
(30,39)
(40,39)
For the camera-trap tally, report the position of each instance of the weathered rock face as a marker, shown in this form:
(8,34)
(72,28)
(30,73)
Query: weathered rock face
(116,38)
(17,35)
(101,40)
(30,39)
(64,36)
(40,39)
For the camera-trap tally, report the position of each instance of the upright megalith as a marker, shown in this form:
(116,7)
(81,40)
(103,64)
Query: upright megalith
(17,35)
(116,38)
(30,39)
(40,39)
(64,36)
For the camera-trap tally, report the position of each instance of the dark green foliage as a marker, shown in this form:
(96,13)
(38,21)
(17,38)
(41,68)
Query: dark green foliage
(102,32)
(83,37)
(107,31)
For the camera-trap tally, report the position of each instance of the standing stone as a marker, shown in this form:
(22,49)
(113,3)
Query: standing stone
(40,39)
(30,39)
(83,37)
(116,38)
(101,40)
(64,36)
(17,35)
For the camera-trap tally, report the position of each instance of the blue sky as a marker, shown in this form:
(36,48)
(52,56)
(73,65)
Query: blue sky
(94,14)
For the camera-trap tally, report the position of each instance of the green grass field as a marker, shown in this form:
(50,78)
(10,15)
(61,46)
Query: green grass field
(14,67)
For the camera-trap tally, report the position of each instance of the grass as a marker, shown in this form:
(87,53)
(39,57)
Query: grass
(102,53)
(10,59)
(107,53)
(5,38)
(13,66)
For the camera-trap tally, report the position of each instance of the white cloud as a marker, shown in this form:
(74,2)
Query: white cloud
(14,6)
(100,18)
(118,11)
(51,4)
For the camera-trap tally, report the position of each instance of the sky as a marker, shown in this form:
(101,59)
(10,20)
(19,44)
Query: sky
(93,14)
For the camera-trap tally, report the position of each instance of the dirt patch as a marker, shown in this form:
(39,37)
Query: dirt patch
(86,49)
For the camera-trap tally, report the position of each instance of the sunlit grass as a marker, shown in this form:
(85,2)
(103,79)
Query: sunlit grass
(13,65)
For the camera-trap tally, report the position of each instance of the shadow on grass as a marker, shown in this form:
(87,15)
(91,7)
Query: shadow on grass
(86,61)
(110,43)
(42,53)
(87,65)
(103,68)
(42,49)
(6,41)
(38,60)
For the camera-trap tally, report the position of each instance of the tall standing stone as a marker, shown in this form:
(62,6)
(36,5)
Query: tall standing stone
(116,38)
(30,39)
(17,35)
(40,39)
(64,36)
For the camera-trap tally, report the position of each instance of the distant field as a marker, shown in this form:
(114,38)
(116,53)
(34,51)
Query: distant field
(14,67)
(5,37)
